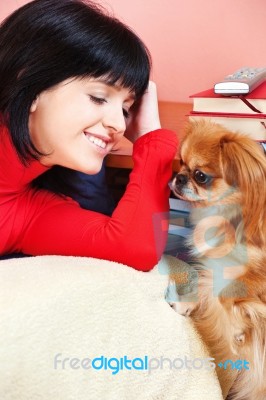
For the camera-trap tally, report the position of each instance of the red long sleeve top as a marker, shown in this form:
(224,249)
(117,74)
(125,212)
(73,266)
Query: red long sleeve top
(39,222)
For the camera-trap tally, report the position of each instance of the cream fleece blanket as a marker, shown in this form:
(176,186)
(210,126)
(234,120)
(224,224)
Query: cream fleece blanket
(64,319)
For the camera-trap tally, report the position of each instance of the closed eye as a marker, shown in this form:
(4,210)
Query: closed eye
(100,101)
(126,113)
(97,100)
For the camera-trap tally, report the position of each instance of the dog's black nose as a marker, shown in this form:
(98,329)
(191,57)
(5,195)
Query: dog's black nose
(181,179)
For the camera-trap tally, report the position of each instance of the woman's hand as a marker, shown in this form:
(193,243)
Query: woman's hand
(144,115)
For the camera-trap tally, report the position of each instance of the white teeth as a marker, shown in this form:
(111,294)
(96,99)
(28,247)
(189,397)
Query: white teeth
(99,142)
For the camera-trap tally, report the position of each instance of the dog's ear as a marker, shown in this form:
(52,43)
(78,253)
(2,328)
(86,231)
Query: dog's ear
(244,165)
(187,130)
(194,126)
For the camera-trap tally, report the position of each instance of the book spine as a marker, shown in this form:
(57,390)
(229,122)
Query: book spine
(226,115)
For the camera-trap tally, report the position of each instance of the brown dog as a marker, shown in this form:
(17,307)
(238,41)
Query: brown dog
(223,175)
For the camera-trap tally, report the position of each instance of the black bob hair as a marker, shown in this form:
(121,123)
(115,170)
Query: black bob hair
(48,41)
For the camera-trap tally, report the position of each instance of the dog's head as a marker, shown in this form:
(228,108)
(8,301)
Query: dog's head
(220,167)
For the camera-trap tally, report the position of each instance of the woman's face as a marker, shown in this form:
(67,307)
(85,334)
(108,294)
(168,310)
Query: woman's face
(78,121)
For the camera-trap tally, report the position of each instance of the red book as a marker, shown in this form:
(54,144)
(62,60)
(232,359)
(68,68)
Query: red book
(208,101)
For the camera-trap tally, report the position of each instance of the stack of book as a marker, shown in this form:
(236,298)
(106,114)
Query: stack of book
(246,114)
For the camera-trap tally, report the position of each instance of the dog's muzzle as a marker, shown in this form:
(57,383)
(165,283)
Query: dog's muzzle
(178,183)
(180,180)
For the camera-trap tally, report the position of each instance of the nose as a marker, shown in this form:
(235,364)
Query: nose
(115,122)
(181,180)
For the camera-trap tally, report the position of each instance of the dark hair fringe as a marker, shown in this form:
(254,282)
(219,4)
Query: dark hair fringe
(48,41)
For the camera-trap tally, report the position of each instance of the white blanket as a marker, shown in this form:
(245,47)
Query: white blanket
(56,308)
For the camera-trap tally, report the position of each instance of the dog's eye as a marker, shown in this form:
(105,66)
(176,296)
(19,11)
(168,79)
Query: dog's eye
(200,177)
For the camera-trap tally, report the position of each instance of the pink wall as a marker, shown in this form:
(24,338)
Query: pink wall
(193,43)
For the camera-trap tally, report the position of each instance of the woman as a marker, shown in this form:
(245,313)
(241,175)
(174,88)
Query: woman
(73,81)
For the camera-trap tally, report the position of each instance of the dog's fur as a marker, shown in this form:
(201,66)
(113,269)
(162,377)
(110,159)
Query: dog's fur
(223,175)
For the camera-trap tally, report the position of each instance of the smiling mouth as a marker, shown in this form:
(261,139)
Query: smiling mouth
(96,140)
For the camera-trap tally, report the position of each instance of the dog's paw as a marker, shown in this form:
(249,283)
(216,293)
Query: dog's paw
(183,308)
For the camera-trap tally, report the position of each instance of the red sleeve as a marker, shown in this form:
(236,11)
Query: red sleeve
(136,233)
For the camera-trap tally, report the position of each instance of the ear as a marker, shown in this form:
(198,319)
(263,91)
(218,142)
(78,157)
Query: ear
(34,105)
(244,166)
(197,126)
(190,127)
